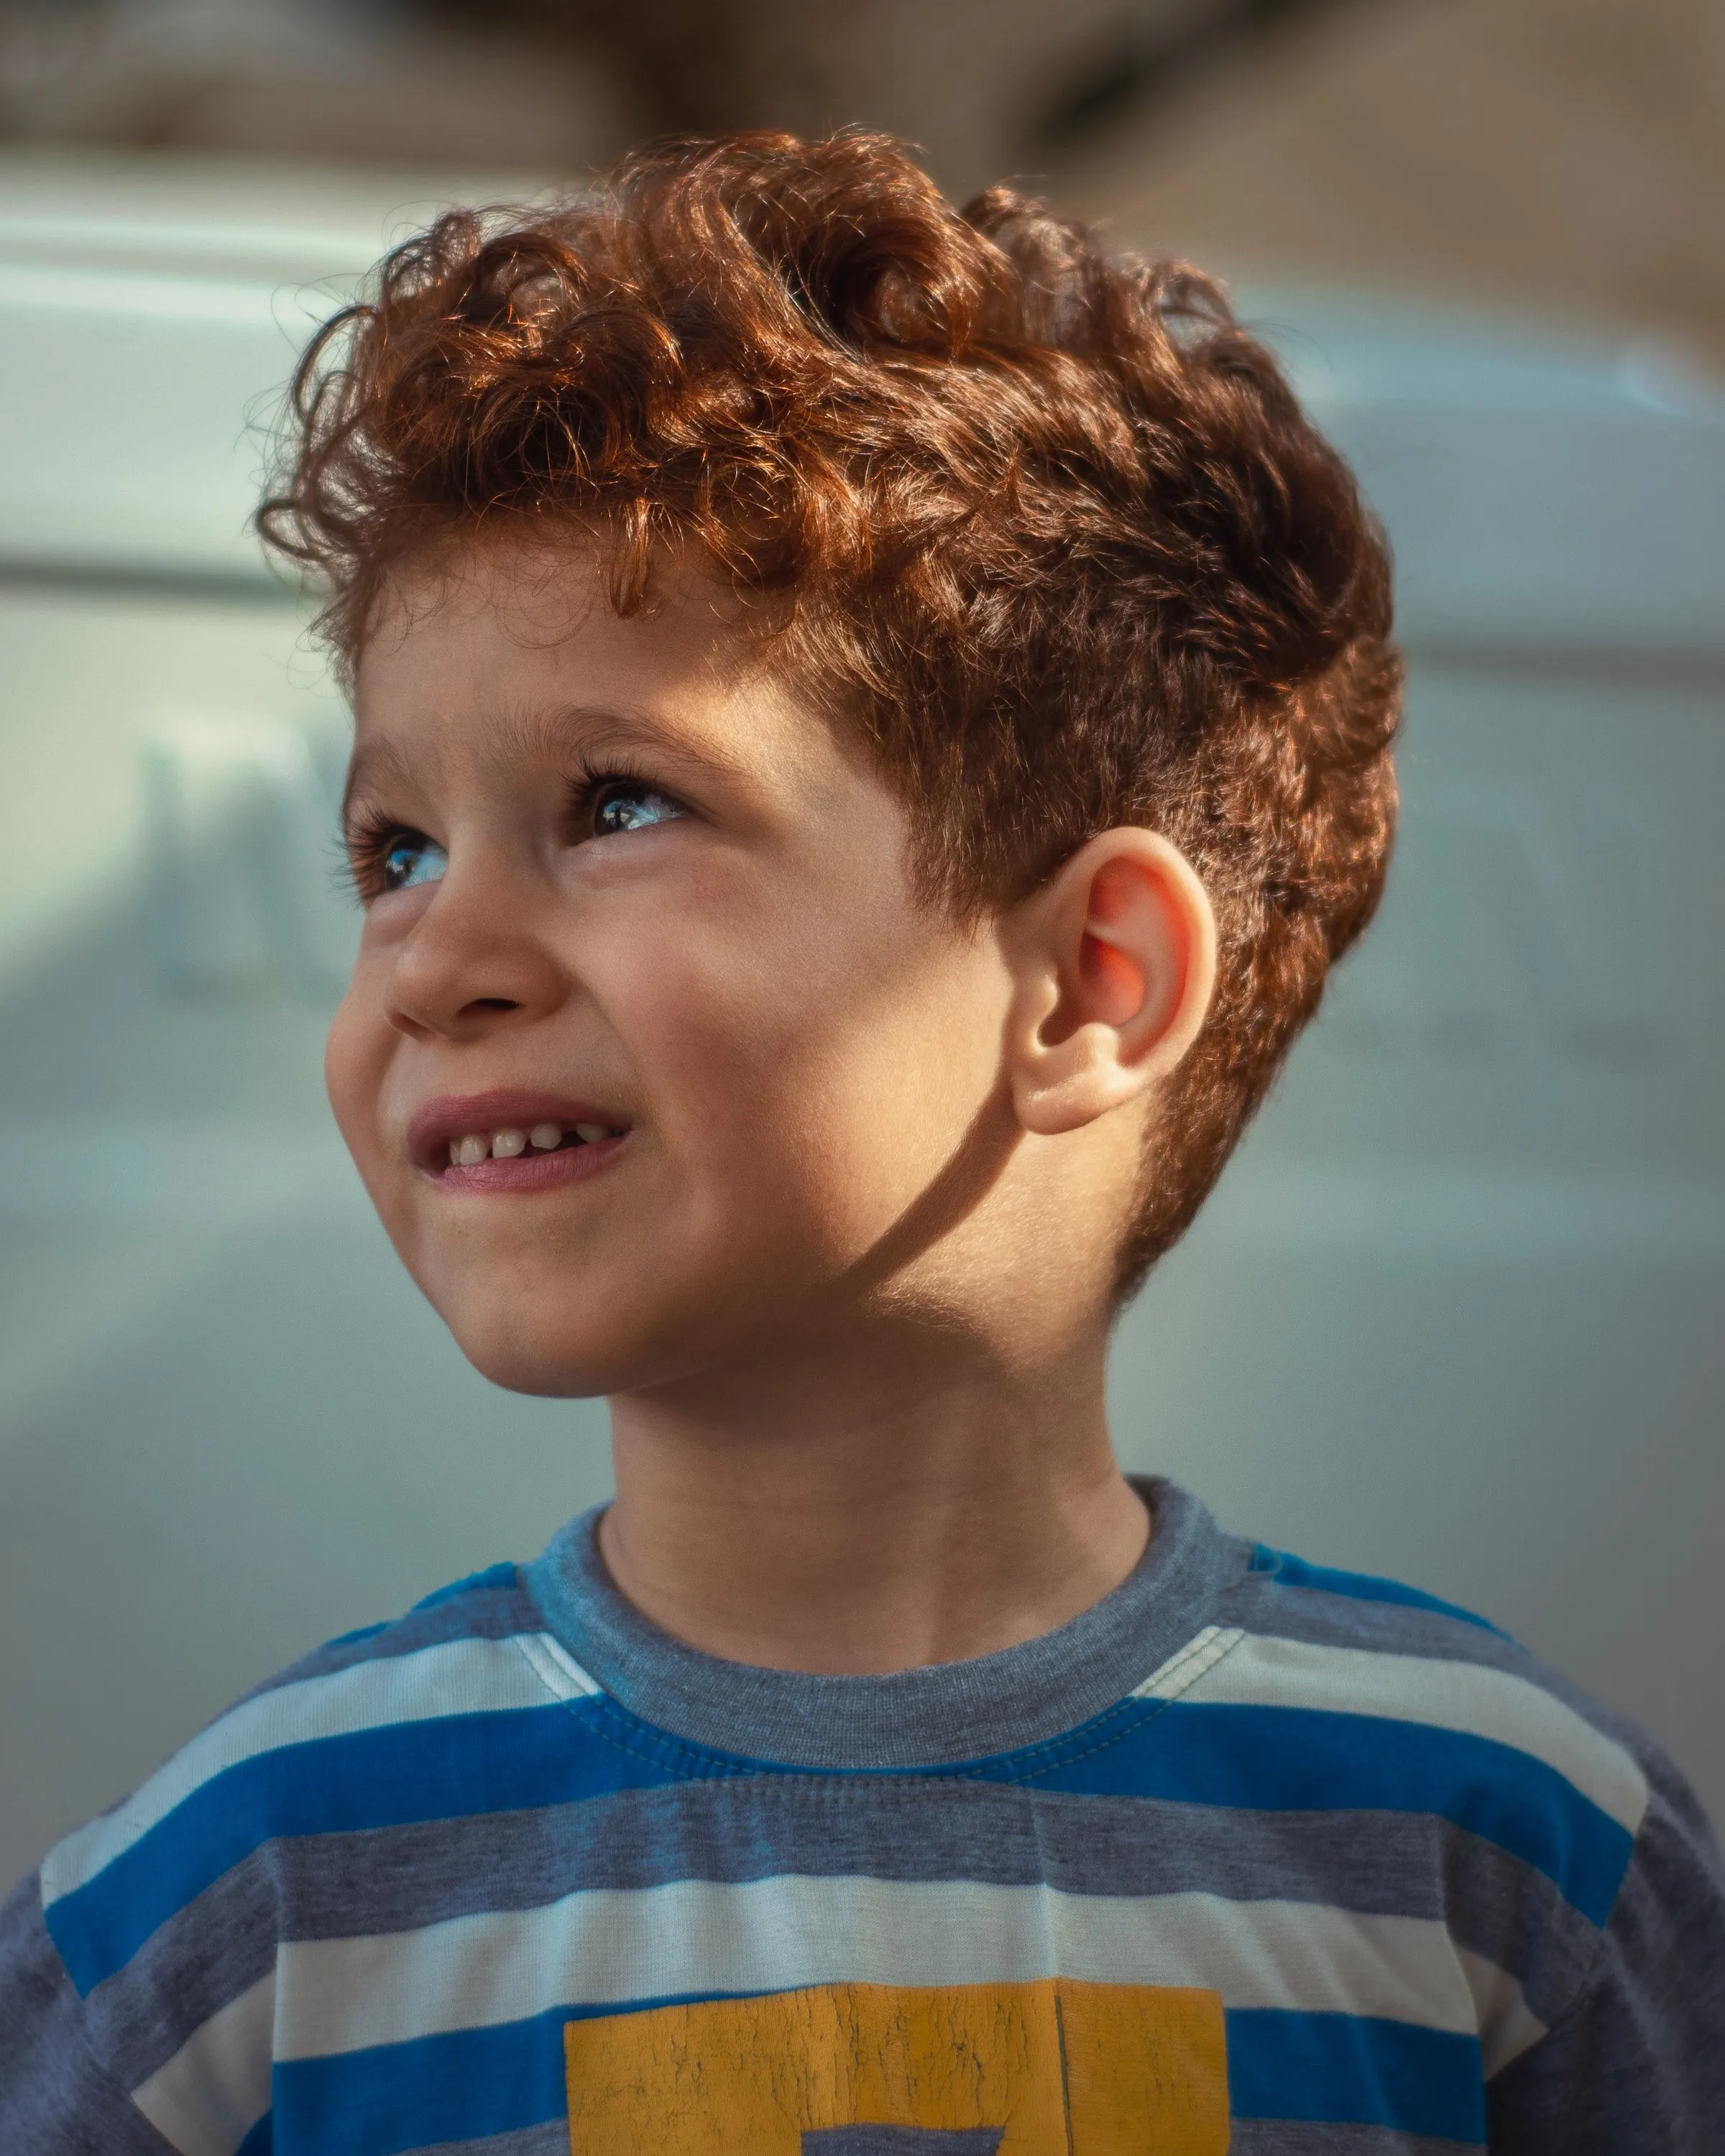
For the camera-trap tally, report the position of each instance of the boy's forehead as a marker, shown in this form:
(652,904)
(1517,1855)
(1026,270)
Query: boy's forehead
(504,656)
(541,615)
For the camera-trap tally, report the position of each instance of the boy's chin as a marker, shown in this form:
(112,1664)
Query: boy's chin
(571,1349)
(547,1372)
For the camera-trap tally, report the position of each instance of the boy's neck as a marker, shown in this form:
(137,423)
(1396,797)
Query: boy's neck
(869,1526)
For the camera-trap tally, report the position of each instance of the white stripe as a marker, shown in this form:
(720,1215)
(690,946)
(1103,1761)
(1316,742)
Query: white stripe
(1465,1696)
(1180,1672)
(217,2087)
(458,1676)
(558,1671)
(1508,2025)
(605,1948)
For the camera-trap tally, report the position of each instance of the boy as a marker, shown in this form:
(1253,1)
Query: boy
(871,727)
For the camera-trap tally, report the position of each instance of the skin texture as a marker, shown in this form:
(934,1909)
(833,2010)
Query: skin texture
(847,1279)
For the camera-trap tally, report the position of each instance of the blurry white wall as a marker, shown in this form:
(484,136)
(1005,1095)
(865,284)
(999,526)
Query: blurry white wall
(1452,1314)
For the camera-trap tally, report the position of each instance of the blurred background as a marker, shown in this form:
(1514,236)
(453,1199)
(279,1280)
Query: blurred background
(1455,1313)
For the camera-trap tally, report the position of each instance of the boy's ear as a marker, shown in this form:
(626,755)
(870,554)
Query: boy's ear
(1116,962)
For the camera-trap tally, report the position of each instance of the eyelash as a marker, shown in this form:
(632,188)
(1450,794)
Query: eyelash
(371,837)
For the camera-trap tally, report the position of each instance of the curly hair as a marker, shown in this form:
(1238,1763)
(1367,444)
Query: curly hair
(1050,530)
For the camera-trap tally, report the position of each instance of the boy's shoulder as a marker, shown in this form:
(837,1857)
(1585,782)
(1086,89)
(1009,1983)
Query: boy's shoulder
(1297,1689)
(333,1743)
(1403,1685)
(1388,1646)
(1319,1765)
(479,1644)
(1359,1694)
(1360,1641)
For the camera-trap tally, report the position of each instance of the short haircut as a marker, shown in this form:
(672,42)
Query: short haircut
(1050,530)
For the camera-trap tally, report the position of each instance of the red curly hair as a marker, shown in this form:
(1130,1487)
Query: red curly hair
(1052,529)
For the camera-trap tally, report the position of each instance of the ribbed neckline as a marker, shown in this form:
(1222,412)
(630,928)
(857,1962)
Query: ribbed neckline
(934,1716)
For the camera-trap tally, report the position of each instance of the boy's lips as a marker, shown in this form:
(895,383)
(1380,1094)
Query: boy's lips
(546,1139)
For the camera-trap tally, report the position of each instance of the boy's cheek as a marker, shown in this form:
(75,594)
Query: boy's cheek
(790,1112)
(356,1058)
(611,1289)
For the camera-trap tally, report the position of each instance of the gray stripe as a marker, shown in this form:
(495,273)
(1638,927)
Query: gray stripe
(901,2141)
(1278,2136)
(480,1613)
(56,2093)
(551,2139)
(954,1711)
(1251,2137)
(1637,2068)
(1261,1603)
(198,1962)
(398,1879)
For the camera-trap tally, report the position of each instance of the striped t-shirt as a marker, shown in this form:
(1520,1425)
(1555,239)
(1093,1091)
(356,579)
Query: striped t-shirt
(1250,1856)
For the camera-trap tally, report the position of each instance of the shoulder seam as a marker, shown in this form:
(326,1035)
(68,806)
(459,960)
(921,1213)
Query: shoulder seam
(557,1670)
(1195,1660)
(1585,1972)
(99,2066)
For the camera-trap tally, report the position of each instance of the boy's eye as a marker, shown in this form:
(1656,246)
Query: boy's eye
(411,858)
(628,805)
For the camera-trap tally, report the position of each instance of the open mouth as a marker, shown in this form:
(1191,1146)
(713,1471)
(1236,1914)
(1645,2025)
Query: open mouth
(509,1140)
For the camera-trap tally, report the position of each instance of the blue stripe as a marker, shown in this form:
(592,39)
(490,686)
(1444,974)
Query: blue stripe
(496,1611)
(1332,2069)
(494,1577)
(1285,1758)
(353,1638)
(1264,1758)
(418,2095)
(1327,2068)
(458,2086)
(507,1761)
(260,2141)
(1358,1586)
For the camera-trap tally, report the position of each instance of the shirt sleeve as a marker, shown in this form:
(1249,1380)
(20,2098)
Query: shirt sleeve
(56,2098)
(1636,2065)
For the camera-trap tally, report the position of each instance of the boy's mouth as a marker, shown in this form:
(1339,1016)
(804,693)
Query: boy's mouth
(509,1143)
(511,1140)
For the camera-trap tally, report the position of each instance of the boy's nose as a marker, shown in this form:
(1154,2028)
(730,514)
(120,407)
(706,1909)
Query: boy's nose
(467,962)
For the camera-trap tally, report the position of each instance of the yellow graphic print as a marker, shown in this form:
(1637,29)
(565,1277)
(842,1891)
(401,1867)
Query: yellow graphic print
(1056,2068)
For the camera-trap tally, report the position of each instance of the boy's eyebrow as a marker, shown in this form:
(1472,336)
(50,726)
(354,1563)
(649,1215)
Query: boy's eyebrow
(526,734)
(370,764)
(533,733)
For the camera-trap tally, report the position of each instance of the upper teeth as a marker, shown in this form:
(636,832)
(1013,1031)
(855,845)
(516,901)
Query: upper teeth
(505,1144)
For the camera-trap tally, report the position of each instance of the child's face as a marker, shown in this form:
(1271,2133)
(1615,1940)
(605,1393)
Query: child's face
(624,882)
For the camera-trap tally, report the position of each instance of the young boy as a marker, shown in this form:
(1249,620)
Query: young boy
(872,725)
